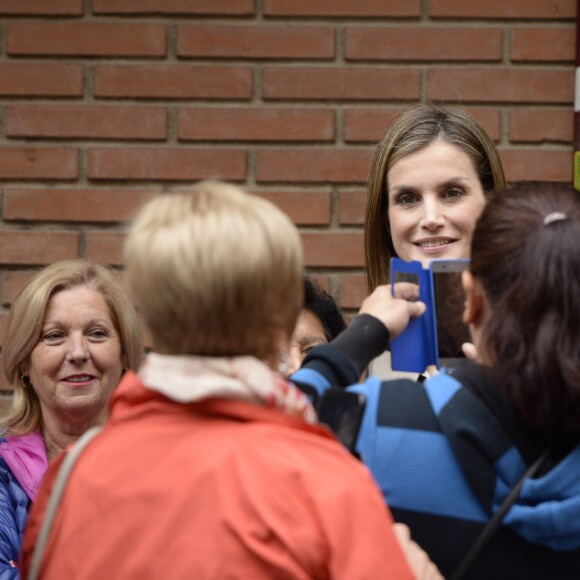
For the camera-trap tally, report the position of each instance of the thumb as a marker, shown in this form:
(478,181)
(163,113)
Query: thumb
(416,309)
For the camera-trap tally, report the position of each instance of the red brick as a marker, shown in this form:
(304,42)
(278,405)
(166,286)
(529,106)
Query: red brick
(312,165)
(105,247)
(245,124)
(171,164)
(42,7)
(501,85)
(520,9)
(38,163)
(344,83)
(86,122)
(302,207)
(256,41)
(3,317)
(231,7)
(74,205)
(352,290)
(543,45)
(489,119)
(352,207)
(85,39)
(341,8)
(5,386)
(369,125)
(173,82)
(336,250)
(41,79)
(425,44)
(12,283)
(322,281)
(542,164)
(37,247)
(537,125)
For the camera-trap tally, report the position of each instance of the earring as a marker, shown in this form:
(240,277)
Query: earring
(24,380)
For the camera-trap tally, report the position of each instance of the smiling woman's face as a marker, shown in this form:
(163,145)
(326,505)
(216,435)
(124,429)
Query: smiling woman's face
(435,198)
(78,359)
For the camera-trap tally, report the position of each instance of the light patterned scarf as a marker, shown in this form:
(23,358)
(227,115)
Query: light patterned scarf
(187,379)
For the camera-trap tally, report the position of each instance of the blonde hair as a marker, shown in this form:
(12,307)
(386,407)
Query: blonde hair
(214,271)
(24,325)
(415,128)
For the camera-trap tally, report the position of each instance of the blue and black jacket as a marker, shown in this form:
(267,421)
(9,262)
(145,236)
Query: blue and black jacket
(446,453)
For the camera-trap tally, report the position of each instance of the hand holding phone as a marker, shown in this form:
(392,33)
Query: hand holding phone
(437,337)
(394,311)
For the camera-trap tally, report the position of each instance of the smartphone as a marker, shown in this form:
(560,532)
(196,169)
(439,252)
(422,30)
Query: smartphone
(342,411)
(448,301)
(413,350)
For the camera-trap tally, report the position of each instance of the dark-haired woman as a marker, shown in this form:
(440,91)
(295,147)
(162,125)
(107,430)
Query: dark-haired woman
(430,177)
(447,452)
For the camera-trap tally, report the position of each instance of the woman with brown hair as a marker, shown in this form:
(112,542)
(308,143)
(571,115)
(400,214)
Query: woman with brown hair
(430,178)
(451,453)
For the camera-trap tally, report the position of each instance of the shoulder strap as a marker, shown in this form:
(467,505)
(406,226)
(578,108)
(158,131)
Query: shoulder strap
(55,496)
(495,522)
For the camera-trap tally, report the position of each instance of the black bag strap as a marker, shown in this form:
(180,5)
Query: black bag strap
(495,522)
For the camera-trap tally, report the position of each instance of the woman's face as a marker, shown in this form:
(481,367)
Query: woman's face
(308,333)
(435,198)
(78,360)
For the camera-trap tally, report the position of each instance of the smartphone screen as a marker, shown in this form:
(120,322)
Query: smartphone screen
(342,412)
(449,300)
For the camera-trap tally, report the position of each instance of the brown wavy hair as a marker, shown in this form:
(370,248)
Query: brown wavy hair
(530,273)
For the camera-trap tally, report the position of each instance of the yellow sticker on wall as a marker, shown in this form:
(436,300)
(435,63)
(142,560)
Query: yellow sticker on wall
(577,170)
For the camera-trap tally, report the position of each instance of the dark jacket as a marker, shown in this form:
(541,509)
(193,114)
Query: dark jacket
(23,463)
(447,452)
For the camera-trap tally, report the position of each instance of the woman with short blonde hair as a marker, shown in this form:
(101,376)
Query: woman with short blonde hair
(216,250)
(211,464)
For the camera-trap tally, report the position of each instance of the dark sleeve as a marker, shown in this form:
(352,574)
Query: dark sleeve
(365,339)
(11,509)
(342,361)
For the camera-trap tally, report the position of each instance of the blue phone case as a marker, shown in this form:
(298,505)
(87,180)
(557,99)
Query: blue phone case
(414,349)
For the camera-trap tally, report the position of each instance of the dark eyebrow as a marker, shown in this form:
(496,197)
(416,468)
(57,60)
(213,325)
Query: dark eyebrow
(311,339)
(453,181)
(398,189)
(411,189)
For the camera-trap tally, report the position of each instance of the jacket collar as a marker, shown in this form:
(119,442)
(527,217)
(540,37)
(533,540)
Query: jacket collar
(26,458)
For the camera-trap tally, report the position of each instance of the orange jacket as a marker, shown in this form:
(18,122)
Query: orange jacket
(215,489)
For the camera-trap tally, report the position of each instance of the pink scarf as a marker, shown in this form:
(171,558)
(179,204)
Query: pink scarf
(187,379)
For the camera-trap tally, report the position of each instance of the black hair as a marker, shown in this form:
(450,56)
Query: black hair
(323,306)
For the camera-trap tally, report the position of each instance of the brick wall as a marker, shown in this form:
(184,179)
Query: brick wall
(105,103)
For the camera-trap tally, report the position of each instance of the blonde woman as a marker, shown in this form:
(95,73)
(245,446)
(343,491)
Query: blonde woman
(70,334)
